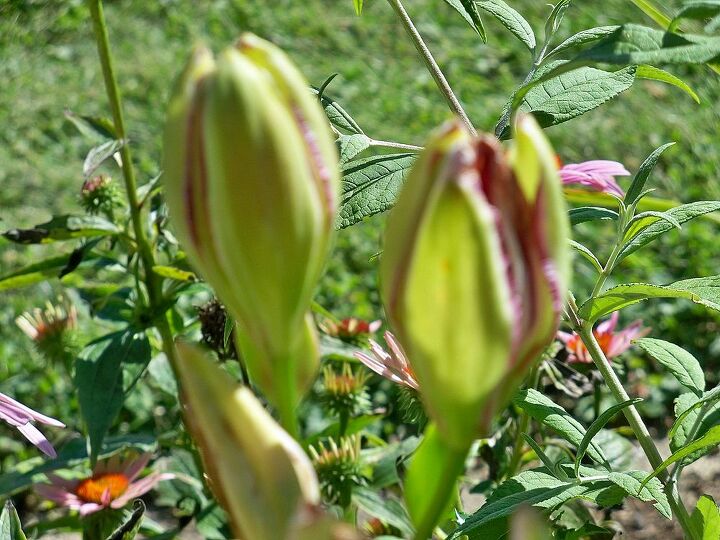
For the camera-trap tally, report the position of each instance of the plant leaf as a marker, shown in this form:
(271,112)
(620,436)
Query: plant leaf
(371,185)
(681,214)
(587,254)
(582,38)
(40,271)
(350,146)
(697,9)
(597,425)
(705,519)
(635,44)
(691,422)
(643,173)
(63,228)
(358,6)
(656,74)
(337,116)
(654,11)
(590,213)
(542,409)
(468,10)
(130,528)
(10,526)
(631,482)
(510,19)
(704,291)
(710,440)
(683,365)
(388,510)
(573,93)
(172,272)
(98,154)
(99,381)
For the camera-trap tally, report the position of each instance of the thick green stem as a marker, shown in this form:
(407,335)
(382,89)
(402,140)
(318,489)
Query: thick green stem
(636,423)
(431,64)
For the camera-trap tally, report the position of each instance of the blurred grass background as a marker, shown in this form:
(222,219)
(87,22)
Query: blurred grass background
(48,65)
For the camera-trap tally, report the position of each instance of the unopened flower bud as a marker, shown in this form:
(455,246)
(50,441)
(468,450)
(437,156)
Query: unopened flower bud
(252,179)
(259,473)
(474,271)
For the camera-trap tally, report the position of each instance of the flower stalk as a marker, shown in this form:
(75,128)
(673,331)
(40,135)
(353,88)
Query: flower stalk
(431,64)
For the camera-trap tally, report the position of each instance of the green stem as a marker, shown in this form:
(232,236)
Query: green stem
(431,64)
(522,427)
(634,419)
(453,466)
(113,94)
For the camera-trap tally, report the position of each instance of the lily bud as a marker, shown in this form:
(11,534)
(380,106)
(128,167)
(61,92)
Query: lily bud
(474,271)
(261,476)
(252,179)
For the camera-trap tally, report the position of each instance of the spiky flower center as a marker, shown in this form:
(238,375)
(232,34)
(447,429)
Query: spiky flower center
(95,489)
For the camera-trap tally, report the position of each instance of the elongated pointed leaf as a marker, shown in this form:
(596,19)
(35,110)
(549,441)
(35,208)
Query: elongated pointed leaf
(542,409)
(704,291)
(597,425)
(653,10)
(656,74)
(510,19)
(696,9)
(63,228)
(683,365)
(710,440)
(10,527)
(582,38)
(99,154)
(591,213)
(468,10)
(587,255)
(638,183)
(681,214)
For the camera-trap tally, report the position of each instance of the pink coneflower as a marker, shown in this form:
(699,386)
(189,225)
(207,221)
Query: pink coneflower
(18,415)
(598,174)
(393,365)
(113,484)
(611,342)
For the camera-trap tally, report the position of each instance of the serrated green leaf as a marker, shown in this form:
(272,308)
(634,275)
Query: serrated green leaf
(683,365)
(350,146)
(468,10)
(531,488)
(99,154)
(705,519)
(99,381)
(597,425)
(635,44)
(590,213)
(542,409)
(10,526)
(587,255)
(681,214)
(371,185)
(710,440)
(703,291)
(510,19)
(642,221)
(656,74)
(631,482)
(638,183)
(582,38)
(573,93)
(694,418)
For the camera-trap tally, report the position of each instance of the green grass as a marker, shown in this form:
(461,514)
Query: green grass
(48,64)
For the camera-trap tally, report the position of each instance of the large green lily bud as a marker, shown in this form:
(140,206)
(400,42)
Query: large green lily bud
(251,178)
(474,270)
(261,476)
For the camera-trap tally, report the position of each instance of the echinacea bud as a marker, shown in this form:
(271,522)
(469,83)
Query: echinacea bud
(474,270)
(260,475)
(252,179)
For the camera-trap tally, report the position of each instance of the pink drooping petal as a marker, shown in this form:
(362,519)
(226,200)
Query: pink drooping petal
(134,467)
(34,435)
(374,326)
(140,487)
(608,326)
(393,366)
(597,174)
(88,508)
(23,413)
(63,483)
(58,495)
(622,340)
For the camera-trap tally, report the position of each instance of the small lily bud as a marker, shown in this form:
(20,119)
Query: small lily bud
(258,472)
(252,179)
(474,271)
